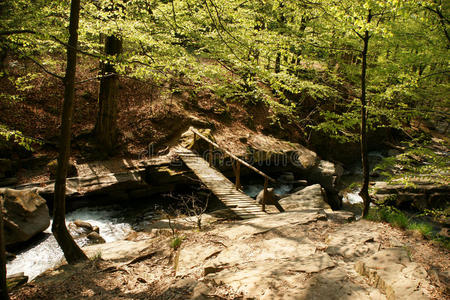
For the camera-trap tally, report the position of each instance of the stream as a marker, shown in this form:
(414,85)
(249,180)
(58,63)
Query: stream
(114,222)
(353,175)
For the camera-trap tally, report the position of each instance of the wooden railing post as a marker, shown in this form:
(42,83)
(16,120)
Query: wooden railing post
(210,157)
(237,173)
(266,183)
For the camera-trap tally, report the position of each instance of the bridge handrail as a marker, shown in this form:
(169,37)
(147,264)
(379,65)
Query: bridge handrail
(232,155)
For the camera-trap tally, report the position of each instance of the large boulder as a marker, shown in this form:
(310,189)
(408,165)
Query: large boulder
(312,196)
(95,238)
(315,170)
(327,174)
(278,154)
(271,198)
(25,215)
(283,155)
(303,158)
(199,145)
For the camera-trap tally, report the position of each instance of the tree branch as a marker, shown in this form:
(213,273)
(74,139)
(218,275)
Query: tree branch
(358,34)
(220,35)
(56,39)
(223,27)
(432,74)
(442,19)
(96,78)
(45,69)
(17,31)
(333,48)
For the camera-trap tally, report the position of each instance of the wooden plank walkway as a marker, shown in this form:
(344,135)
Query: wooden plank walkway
(238,202)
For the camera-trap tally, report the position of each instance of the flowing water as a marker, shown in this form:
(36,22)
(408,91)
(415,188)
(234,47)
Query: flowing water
(352,197)
(353,175)
(115,223)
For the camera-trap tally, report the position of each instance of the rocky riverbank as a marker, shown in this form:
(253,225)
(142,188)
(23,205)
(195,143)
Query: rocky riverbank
(418,195)
(309,252)
(123,181)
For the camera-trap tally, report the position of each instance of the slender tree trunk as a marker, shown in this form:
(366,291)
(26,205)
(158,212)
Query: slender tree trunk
(3,286)
(278,63)
(282,20)
(364,193)
(72,252)
(3,55)
(106,125)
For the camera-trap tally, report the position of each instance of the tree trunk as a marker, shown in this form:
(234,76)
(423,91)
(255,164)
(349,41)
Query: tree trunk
(106,125)
(278,63)
(3,55)
(364,193)
(72,252)
(3,286)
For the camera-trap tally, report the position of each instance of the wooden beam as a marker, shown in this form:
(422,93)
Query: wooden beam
(233,156)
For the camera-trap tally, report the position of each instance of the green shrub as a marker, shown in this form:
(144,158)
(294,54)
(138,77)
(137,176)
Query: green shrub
(176,242)
(389,214)
(399,219)
(444,241)
(424,228)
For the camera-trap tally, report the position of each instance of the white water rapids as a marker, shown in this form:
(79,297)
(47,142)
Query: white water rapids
(353,197)
(45,253)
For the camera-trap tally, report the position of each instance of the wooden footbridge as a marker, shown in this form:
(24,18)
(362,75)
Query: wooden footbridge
(230,194)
